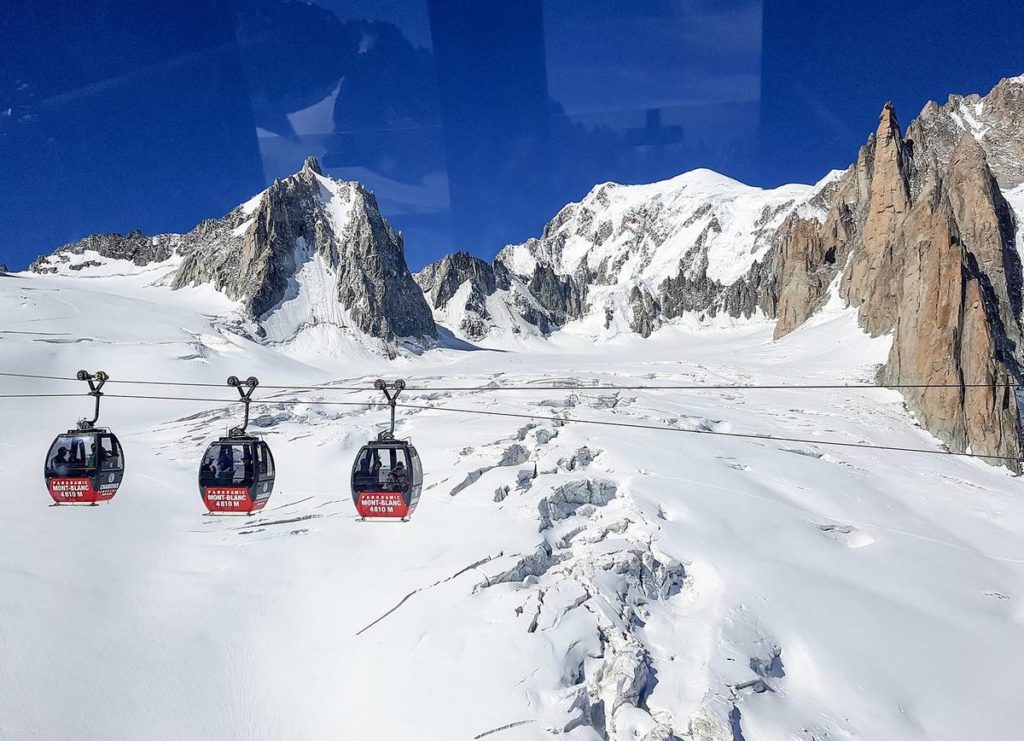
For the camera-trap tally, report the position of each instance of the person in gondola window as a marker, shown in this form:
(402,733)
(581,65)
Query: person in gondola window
(102,457)
(363,476)
(247,467)
(207,469)
(60,463)
(226,464)
(398,478)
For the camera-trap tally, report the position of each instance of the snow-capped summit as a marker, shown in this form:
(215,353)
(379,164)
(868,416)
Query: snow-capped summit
(309,258)
(627,258)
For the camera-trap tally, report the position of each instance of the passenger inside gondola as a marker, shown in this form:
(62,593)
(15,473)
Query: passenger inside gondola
(247,468)
(226,465)
(60,464)
(207,471)
(398,478)
(77,455)
(109,455)
(365,476)
(370,473)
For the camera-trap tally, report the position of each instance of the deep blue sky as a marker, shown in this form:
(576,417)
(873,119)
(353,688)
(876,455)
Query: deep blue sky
(473,120)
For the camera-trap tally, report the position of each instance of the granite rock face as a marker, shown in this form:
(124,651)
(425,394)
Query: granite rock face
(871,278)
(442,280)
(958,321)
(930,256)
(477,298)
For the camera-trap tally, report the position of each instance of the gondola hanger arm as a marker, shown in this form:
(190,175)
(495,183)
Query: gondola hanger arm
(391,391)
(96,381)
(245,389)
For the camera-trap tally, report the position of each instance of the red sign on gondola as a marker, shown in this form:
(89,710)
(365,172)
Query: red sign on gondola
(80,490)
(72,490)
(382,504)
(230,499)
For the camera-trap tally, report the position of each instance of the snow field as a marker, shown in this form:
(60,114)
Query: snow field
(556,578)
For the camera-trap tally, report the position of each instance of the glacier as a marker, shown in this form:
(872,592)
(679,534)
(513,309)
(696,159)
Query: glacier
(589,582)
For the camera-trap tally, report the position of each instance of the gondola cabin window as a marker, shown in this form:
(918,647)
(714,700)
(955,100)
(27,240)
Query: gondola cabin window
(382,469)
(265,461)
(109,454)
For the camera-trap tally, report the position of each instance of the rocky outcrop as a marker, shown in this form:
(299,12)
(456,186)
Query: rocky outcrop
(930,256)
(995,121)
(872,276)
(477,298)
(561,296)
(134,247)
(810,254)
(441,280)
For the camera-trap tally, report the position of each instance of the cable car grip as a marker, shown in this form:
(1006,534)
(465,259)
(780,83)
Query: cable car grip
(96,381)
(245,389)
(391,392)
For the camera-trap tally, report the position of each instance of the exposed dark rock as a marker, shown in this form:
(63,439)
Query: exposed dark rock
(134,247)
(561,296)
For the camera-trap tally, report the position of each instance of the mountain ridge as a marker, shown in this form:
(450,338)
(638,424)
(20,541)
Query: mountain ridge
(914,210)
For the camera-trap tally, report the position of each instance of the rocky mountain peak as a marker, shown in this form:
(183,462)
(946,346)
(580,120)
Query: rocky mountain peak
(888,131)
(312,164)
(308,254)
(476,298)
(315,252)
(442,279)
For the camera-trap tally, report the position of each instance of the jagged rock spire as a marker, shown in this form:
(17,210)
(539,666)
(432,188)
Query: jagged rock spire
(872,281)
(312,164)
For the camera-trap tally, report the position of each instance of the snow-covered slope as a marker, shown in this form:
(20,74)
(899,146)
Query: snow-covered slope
(585,582)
